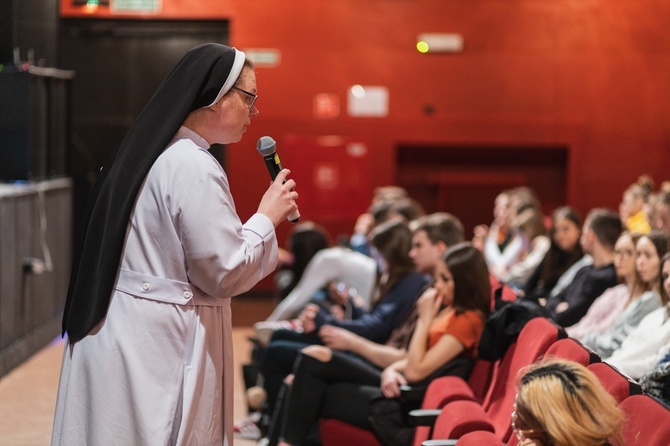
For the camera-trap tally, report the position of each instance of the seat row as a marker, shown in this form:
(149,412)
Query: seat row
(478,411)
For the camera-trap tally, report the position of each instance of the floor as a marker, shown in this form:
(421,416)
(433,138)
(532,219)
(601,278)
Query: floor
(28,393)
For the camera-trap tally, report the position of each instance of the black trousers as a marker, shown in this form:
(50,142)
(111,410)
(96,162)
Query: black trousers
(340,388)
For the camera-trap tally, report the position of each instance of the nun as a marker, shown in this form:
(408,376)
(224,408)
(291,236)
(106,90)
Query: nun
(148,358)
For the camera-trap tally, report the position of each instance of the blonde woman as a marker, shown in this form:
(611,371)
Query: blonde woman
(562,403)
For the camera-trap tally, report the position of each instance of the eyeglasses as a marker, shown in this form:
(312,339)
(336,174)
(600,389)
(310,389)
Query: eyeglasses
(251,98)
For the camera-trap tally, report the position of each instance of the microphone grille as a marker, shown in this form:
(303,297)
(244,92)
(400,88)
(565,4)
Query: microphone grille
(266,146)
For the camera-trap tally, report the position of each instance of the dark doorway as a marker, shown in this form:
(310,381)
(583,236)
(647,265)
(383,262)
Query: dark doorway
(465,180)
(119,64)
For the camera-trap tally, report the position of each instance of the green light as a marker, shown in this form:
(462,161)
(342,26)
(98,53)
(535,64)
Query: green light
(422,46)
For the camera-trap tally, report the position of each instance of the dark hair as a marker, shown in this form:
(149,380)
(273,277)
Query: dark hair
(606,225)
(472,288)
(568,213)
(393,240)
(305,240)
(662,292)
(660,240)
(407,208)
(556,261)
(440,227)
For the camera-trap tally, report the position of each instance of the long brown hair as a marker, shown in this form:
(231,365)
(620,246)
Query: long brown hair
(472,288)
(393,240)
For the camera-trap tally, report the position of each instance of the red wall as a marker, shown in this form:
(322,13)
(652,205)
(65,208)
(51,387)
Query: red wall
(592,75)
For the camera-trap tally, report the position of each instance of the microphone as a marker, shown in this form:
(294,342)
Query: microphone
(268,148)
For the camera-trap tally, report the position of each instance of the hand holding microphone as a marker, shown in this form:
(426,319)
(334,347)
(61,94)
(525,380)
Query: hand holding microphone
(281,191)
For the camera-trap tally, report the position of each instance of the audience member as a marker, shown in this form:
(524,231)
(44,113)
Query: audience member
(562,403)
(304,241)
(607,308)
(650,248)
(331,265)
(450,320)
(601,231)
(647,344)
(564,252)
(500,243)
(431,236)
(398,288)
(632,206)
(658,208)
(657,381)
(531,228)
(379,211)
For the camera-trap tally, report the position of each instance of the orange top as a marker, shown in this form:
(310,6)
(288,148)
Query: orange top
(467,327)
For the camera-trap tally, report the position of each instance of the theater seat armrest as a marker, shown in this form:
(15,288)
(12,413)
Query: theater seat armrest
(423,417)
(412,393)
(449,442)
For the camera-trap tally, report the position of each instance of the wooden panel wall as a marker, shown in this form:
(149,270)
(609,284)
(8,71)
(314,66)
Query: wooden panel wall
(31,305)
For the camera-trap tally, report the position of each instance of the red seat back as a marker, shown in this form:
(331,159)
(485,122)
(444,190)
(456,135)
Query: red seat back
(616,383)
(647,421)
(479,438)
(573,350)
(533,342)
(460,417)
(446,389)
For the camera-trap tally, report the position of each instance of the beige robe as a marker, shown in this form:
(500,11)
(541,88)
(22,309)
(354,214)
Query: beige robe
(158,369)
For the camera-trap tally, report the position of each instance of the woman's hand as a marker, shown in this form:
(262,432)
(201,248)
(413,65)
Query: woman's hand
(391,382)
(337,338)
(479,237)
(278,202)
(429,304)
(307,316)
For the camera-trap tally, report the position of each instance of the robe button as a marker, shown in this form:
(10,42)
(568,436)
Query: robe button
(146,286)
(188,295)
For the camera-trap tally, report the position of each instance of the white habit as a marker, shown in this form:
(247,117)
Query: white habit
(158,369)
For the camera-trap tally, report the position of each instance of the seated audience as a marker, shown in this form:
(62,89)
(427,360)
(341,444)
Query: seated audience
(632,206)
(649,342)
(501,242)
(331,265)
(564,252)
(450,321)
(607,308)
(562,403)
(399,286)
(650,248)
(601,231)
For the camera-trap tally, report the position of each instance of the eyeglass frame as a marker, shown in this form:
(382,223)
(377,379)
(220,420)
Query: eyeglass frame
(254,97)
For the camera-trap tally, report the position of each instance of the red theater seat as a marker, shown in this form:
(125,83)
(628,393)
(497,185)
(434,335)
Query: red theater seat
(647,421)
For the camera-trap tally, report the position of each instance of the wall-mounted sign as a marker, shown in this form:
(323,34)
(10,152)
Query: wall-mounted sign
(263,57)
(130,6)
(368,101)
